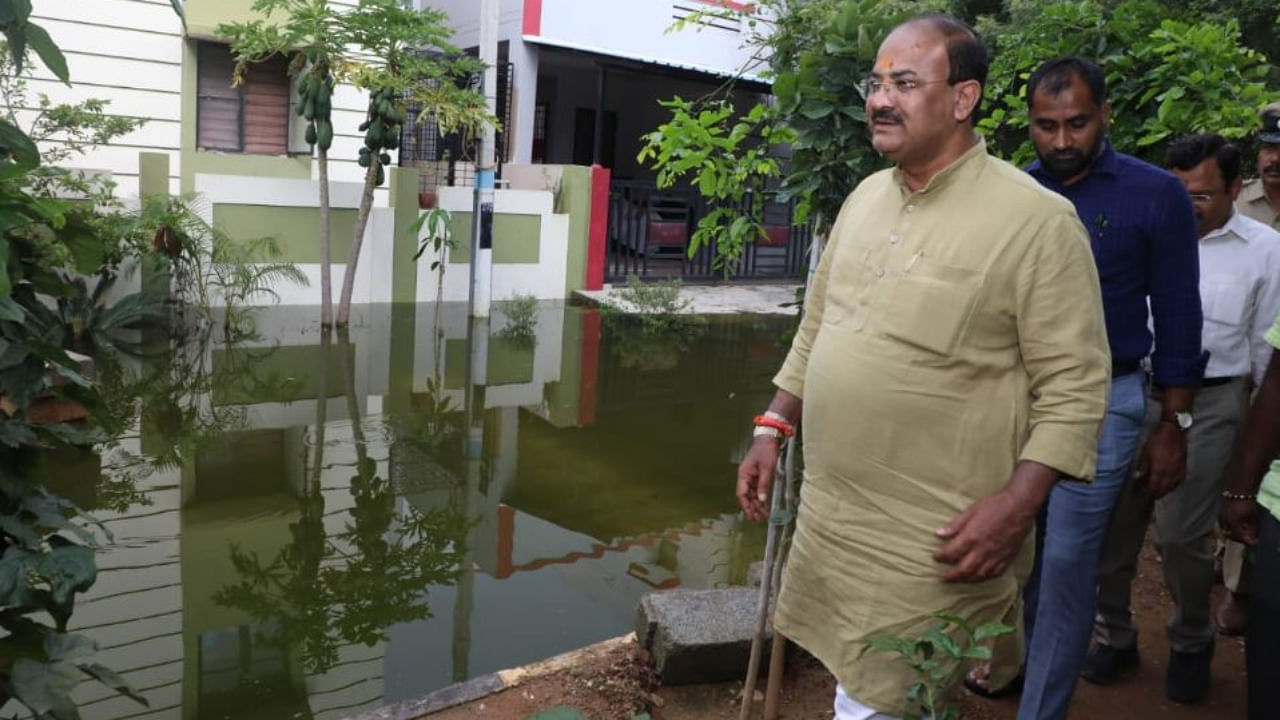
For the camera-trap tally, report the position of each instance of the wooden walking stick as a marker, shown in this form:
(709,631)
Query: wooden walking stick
(766,580)
(778,651)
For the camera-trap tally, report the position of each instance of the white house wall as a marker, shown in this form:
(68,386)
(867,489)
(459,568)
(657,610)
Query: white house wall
(130,53)
(637,29)
(544,280)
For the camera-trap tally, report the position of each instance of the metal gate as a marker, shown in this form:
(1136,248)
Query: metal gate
(650,232)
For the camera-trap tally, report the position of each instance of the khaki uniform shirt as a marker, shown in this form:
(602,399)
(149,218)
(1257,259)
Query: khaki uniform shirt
(1253,203)
(949,333)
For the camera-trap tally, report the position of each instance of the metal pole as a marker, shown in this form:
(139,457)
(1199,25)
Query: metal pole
(482,209)
(597,145)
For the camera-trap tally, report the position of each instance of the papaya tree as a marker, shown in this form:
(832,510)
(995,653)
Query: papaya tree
(400,57)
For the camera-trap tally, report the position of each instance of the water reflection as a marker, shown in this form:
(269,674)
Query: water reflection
(310,527)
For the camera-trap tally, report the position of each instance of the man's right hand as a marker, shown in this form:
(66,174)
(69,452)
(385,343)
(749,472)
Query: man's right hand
(755,478)
(1239,519)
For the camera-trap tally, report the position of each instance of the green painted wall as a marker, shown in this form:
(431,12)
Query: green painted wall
(283,374)
(204,16)
(297,229)
(510,363)
(516,238)
(575,199)
(153,173)
(564,395)
(404,201)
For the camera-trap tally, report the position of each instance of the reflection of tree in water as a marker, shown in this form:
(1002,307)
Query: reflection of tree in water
(652,342)
(324,591)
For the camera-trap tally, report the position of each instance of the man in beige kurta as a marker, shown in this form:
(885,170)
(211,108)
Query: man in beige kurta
(952,363)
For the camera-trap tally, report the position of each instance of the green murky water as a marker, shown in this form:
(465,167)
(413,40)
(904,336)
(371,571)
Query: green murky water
(309,528)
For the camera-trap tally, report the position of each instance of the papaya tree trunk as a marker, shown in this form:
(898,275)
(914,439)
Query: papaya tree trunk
(362,221)
(326,244)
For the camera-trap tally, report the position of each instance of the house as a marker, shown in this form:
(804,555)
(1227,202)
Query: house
(137,55)
(580,82)
(242,150)
(569,61)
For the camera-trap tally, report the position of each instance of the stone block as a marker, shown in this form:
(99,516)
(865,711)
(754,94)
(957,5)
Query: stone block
(700,636)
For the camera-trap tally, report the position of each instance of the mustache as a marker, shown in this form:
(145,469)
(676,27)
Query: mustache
(1272,168)
(886,115)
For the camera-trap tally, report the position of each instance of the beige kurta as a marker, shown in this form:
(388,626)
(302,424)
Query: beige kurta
(1253,203)
(949,333)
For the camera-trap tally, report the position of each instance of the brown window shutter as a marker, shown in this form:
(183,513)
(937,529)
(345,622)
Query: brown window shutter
(217,103)
(266,107)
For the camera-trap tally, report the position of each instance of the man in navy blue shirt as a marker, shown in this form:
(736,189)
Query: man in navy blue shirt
(1143,231)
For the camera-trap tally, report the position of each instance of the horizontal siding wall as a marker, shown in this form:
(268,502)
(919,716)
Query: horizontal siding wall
(130,53)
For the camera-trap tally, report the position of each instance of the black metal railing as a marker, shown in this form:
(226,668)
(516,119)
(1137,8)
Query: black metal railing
(650,231)
(449,159)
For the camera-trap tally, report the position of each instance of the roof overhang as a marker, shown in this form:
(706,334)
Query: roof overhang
(700,69)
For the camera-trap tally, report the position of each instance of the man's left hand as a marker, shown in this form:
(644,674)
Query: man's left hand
(1163,460)
(985,538)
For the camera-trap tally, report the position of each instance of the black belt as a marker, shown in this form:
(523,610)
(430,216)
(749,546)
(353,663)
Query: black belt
(1214,382)
(1124,367)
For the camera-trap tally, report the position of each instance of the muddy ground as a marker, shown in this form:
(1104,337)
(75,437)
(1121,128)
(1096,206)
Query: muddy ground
(618,684)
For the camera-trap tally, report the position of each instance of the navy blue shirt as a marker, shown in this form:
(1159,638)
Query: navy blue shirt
(1143,232)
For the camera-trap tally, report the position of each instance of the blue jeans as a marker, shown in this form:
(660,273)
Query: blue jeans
(1061,595)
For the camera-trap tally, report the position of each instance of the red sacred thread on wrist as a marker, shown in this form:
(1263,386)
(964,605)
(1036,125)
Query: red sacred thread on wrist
(781,426)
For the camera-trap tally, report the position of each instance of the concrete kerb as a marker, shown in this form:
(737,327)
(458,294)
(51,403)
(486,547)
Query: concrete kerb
(485,685)
(754,299)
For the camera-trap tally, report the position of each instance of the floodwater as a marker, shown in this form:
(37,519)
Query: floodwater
(309,528)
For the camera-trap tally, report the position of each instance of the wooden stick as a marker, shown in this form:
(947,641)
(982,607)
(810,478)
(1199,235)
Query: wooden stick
(778,653)
(766,580)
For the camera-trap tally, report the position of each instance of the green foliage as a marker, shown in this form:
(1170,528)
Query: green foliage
(1173,68)
(47,245)
(522,320)
(651,327)
(209,268)
(436,222)
(938,658)
(400,55)
(818,86)
(47,556)
(660,301)
(327,590)
(90,323)
(64,130)
(730,162)
(1166,76)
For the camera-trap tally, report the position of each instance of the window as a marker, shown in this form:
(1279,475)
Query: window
(251,118)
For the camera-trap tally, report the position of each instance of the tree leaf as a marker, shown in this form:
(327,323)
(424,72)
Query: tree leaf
(68,569)
(6,285)
(39,40)
(10,309)
(16,433)
(46,688)
(66,646)
(990,630)
(113,680)
(17,45)
(182,14)
(18,145)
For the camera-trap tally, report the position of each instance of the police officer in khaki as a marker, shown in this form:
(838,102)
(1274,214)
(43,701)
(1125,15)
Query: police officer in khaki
(1260,197)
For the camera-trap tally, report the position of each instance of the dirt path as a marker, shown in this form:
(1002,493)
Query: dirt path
(618,685)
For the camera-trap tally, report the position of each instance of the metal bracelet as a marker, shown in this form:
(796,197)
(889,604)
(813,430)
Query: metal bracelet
(1239,496)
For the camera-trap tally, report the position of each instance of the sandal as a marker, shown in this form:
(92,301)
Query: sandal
(1013,687)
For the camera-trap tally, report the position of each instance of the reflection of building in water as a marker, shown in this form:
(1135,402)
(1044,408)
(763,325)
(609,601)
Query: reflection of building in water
(588,482)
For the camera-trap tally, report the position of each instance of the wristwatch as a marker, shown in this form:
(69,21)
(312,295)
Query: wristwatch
(1183,420)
